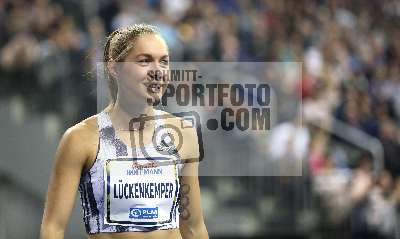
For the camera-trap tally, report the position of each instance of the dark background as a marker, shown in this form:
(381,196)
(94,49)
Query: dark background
(350,90)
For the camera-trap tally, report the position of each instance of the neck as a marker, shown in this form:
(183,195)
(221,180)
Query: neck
(121,113)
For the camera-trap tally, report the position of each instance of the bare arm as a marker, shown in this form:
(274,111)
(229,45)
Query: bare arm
(70,159)
(191,220)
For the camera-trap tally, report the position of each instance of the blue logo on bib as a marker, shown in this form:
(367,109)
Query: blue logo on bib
(143,213)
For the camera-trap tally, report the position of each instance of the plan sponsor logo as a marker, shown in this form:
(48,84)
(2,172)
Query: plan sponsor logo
(143,213)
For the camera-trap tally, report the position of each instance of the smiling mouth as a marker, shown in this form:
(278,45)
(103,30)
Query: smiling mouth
(153,87)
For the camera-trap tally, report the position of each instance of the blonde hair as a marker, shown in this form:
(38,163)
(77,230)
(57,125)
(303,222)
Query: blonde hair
(119,43)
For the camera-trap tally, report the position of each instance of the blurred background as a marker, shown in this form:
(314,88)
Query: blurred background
(348,140)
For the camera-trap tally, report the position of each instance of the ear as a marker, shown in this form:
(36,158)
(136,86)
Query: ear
(112,68)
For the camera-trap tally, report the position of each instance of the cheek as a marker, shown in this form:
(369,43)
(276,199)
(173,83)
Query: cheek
(133,73)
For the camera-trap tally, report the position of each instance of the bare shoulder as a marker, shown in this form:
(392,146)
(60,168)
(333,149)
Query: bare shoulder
(84,130)
(81,139)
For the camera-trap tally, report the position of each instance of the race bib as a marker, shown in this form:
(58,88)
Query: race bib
(139,191)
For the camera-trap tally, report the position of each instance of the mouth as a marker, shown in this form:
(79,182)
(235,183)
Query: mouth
(153,88)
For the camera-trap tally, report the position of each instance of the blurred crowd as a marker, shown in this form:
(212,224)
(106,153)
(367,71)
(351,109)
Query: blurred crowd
(351,71)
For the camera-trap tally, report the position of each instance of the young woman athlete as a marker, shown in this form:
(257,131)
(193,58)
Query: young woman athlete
(125,192)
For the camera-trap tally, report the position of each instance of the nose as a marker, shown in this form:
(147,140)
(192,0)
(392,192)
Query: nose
(158,73)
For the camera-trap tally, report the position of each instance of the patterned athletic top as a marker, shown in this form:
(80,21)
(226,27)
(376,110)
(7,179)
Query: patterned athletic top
(131,189)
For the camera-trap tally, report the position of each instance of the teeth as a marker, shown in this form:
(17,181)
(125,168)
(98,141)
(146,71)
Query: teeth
(155,88)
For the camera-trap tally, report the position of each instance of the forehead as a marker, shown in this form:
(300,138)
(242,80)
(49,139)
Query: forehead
(151,44)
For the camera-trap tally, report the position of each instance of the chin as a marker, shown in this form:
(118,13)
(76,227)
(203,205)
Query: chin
(154,97)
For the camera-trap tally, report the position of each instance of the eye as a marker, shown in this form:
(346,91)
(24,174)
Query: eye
(164,62)
(144,61)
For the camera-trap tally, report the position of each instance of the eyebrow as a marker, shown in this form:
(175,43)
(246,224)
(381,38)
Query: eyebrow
(149,55)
